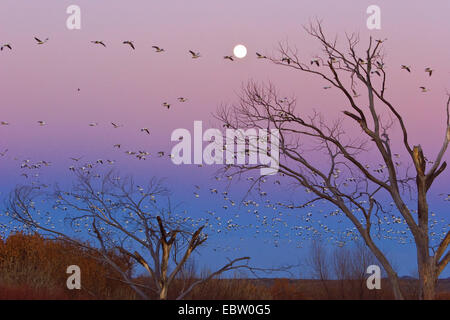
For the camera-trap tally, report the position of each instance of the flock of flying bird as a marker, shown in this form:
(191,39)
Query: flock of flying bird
(277,223)
(271,218)
(196,55)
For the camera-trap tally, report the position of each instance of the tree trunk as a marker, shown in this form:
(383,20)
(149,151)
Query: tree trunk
(425,262)
(427,280)
(427,271)
(393,278)
(163,293)
(392,275)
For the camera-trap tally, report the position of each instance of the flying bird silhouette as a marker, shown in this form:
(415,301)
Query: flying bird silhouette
(194,55)
(99,42)
(7,45)
(130,43)
(316,62)
(286,59)
(407,68)
(39,41)
(158,49)
(260,56)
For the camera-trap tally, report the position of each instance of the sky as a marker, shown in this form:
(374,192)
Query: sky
(128,87)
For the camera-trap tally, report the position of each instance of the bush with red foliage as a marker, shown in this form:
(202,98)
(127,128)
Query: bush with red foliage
(32,267)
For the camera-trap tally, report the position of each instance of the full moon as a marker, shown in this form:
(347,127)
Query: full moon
(240,51)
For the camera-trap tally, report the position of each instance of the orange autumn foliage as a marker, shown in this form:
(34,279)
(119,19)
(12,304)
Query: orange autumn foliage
(283,289)
(30,262)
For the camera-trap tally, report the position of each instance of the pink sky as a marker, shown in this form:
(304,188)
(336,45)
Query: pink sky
(39,82)
(128,87)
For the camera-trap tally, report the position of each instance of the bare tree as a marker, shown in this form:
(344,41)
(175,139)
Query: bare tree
(341,271)
(350,265)
(342,266)
(319,263)
(125,218)
(340,176)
